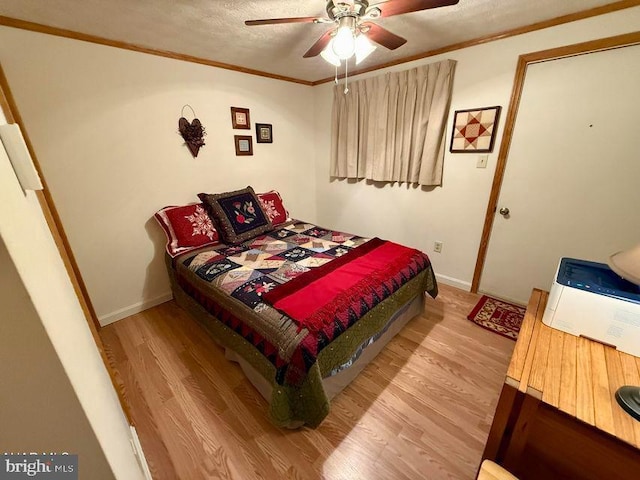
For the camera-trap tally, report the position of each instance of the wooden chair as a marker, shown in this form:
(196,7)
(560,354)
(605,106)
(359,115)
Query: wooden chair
(492,471)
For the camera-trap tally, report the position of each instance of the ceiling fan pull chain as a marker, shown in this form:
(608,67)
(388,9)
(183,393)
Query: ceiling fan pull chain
(336,78)
(346,76)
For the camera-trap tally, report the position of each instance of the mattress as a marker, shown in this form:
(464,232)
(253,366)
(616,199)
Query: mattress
(300,305)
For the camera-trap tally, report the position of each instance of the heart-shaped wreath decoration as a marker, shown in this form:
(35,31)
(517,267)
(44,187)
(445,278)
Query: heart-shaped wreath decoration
(193,134)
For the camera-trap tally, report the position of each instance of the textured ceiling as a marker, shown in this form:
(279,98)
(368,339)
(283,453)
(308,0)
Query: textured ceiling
(215,30)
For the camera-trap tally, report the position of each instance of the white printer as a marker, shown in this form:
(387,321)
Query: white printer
(589,299)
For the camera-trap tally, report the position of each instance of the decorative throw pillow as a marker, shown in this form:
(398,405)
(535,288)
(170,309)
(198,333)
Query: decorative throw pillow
(238,215)
(186,227)
(274,208)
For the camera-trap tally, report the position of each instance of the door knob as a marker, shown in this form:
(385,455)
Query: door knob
(504,211)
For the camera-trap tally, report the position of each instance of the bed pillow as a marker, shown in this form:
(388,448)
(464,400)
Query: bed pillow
(238,215)
(274,208)
(186,227)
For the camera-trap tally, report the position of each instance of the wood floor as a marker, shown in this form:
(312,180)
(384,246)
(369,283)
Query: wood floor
(421,410)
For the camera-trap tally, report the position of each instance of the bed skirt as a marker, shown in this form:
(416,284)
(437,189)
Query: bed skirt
(336,382)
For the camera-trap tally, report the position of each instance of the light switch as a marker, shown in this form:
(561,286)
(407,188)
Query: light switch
(482,161)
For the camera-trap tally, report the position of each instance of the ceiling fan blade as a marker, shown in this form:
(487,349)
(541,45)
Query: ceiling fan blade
(274,21)
(398,7)
(320,45)
(383,36)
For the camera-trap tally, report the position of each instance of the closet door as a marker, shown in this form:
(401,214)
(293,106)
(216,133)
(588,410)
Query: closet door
(572,181)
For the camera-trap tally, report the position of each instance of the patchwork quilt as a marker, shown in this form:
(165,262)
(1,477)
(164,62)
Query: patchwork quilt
(295,291)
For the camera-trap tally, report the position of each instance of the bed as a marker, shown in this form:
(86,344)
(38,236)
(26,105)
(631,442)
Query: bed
(302,309)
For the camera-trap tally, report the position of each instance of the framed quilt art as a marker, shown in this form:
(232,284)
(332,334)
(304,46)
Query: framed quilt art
(244,144)
(264,133)
(240,118)
(474,130)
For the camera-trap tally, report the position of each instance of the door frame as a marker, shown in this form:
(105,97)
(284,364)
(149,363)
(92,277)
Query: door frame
(609,43)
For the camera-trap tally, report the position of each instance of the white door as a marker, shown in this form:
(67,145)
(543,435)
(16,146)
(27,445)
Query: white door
(572,180)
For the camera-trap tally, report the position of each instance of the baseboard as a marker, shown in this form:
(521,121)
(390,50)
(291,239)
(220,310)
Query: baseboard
(454,282)
(139,453)
(515,301)
(133,309)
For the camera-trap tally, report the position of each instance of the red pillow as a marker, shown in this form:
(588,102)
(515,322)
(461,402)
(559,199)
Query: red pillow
(186,227)
(273,207)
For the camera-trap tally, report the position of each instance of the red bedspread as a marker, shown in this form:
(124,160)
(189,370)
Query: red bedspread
(368,273)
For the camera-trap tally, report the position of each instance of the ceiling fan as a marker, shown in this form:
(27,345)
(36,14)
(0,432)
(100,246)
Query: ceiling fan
(352,26)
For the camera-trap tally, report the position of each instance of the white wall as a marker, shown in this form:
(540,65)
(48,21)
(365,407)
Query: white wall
(103,122)
(42,412)
(453,213)
(43,292)
(39,411)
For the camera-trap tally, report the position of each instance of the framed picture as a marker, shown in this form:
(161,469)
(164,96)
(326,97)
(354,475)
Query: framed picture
(264,133)
(474,130)
(240,118)
(244,144)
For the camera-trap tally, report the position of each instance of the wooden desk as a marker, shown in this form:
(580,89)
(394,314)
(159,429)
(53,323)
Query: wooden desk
(557,416)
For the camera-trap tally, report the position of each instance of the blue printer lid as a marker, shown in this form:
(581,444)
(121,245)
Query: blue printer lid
(596,278)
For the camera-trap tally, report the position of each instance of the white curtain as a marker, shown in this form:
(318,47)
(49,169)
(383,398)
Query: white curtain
(391,128)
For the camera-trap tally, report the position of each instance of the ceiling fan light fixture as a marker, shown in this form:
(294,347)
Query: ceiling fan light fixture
(329,56)
(363,48)
(344,42)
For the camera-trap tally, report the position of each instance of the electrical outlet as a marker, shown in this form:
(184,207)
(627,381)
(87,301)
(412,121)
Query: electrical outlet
(437,247)
(482,161)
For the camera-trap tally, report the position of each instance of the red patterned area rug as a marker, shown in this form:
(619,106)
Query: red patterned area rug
(501,317)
